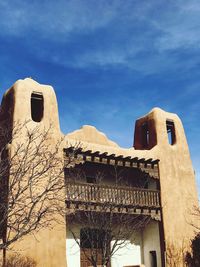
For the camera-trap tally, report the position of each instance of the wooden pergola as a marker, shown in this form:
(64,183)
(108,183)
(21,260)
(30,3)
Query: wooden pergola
(149,165)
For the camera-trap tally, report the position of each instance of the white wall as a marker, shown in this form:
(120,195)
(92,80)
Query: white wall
(72,250)
(130,254)
(135,252)
(151,242)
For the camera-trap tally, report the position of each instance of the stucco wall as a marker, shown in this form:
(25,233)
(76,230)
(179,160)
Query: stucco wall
(177,181)
(47,246)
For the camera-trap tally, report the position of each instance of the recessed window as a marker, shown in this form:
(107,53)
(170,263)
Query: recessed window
(145,135)
(37,106)
(171,132)
(91,180)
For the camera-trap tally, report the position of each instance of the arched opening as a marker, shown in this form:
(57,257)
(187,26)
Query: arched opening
(37,106)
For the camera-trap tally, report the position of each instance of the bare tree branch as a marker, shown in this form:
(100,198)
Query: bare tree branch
(31,181)
(105,223)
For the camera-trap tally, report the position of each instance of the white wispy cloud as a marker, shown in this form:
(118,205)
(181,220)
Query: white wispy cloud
(149,37)
(180,27)
(134,34)
(54,18)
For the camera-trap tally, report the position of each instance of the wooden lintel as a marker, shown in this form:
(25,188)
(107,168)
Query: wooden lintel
(153,213)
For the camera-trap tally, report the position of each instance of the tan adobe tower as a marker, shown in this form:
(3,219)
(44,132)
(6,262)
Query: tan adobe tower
(35,105)
(163,135)
(160,153)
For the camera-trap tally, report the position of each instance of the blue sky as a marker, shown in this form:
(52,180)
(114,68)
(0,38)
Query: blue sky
(109,61)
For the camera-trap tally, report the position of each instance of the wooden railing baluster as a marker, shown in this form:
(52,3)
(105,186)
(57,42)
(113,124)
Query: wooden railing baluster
(118,195)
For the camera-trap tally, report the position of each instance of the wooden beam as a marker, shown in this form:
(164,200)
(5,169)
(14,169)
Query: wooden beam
(142,160)
(155,161)
(111,156)
(87,152)
(148,160)
(104,154)
(119,157)
(134,159)
(95,154)
(127,158)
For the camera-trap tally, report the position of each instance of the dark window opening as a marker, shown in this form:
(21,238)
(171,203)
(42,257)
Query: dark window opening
(37,106)
(145,135)
(91,180)
(153,259)
(171,132)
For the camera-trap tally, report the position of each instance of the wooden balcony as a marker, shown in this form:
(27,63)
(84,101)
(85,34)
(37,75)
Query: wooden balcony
(96,194)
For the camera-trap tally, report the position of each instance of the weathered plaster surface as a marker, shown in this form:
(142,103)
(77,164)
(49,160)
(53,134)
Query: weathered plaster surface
(177,180)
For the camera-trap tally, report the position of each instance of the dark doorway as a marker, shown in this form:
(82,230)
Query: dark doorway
(153,259)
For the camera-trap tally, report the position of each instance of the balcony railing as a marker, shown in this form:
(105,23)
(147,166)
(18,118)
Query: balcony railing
(116,195)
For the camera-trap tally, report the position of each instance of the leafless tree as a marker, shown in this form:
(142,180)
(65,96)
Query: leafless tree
(17,260)
(31,181)
(192,258)
(181,254)
(107,224)
(176,253)
(195,221)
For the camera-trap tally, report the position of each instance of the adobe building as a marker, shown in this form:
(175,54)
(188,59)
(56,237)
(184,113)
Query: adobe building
(158,182)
